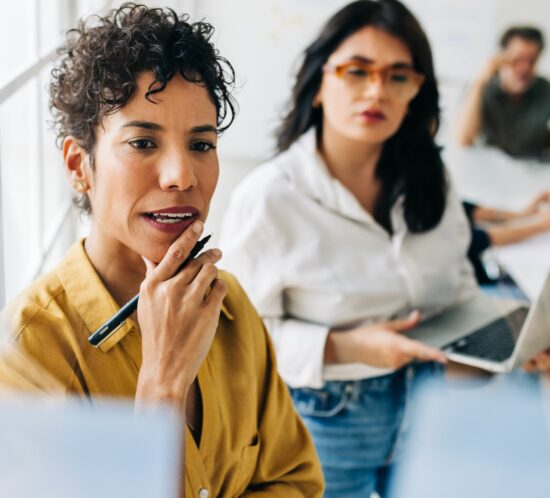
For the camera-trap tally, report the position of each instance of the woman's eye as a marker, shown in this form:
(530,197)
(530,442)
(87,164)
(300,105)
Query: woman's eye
(399,77)
(356,71)
(142,143)
(203,146)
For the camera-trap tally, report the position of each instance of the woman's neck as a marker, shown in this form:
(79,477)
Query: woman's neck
(120,269)
(354,164)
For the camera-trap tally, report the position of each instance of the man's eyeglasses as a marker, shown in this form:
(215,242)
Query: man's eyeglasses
(401,83)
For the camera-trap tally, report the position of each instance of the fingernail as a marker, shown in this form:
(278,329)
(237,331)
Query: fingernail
(197,227)
(216,252)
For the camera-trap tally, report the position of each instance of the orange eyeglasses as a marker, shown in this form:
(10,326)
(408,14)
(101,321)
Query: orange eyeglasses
(401,83)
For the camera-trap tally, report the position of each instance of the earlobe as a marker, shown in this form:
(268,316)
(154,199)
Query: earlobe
(76,164)
(316,102)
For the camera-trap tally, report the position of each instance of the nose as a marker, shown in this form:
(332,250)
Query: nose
(177,172)
(374,86)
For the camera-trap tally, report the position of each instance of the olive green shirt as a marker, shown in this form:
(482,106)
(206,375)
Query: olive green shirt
(519,126)
(252,441)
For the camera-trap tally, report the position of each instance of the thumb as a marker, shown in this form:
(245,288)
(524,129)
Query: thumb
(405,324)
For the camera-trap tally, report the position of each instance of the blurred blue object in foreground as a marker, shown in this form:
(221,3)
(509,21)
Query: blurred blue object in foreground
(477,443)
(51,448)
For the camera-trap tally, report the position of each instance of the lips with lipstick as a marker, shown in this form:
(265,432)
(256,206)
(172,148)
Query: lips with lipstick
(373,115)
(173,219)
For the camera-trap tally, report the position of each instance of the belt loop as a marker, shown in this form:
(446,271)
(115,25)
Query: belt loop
(351,389)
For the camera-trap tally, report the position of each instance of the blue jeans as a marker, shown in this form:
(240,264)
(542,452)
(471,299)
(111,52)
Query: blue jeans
(359,426)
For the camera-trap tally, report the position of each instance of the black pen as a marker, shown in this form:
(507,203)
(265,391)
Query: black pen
(117,320)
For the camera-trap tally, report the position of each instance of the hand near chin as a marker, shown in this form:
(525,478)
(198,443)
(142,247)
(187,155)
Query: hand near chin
(178,314)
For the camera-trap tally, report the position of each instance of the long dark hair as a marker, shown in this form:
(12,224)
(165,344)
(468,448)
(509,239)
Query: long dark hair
(410,162)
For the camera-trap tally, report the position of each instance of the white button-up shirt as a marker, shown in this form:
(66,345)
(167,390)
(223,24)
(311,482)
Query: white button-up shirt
(312,259)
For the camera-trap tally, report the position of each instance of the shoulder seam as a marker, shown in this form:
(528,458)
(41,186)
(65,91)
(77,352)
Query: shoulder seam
(35,312)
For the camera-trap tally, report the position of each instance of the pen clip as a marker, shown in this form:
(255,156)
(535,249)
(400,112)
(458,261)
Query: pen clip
(98,338)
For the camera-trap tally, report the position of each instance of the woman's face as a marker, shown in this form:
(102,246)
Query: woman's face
(367,110)
(156,167)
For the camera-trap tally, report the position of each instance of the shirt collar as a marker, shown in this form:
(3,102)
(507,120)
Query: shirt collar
(315,180)
(90,298)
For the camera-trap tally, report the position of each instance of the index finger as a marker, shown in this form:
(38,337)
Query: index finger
(421,351)
(177,252)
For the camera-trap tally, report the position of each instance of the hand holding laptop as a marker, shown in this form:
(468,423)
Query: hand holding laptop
(493,334)
(541,363)
(381,345)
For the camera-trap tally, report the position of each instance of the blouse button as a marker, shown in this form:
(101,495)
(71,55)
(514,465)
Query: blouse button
(203,493)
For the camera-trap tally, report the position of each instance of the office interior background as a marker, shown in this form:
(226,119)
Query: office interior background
(262,38)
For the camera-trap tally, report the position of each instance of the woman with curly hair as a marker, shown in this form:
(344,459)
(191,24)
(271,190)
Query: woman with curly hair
(139,98)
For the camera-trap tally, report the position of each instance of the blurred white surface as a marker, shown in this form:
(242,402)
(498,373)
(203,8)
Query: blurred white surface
(478,443)
(488,176)
(67,449)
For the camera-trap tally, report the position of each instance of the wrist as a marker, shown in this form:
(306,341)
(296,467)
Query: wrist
(341,347)
(152,389)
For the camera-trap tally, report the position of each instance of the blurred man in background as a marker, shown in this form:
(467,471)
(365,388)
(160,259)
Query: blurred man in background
(509,105)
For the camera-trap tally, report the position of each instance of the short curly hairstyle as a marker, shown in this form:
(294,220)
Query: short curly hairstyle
(102,58)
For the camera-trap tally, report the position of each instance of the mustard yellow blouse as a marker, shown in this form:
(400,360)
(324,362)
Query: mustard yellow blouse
(252,441)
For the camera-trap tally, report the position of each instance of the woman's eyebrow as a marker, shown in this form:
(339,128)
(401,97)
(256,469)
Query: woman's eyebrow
(205,128)
(396,65)
(147,125)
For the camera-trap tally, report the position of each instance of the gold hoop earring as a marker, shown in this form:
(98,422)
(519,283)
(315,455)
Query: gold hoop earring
(79,186)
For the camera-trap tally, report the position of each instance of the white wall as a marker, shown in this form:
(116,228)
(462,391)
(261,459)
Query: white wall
(264,40)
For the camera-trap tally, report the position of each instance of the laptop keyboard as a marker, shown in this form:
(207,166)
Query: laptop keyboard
(495,341)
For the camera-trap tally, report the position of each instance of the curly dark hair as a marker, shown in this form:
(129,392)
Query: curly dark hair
(103,56)
(410,163)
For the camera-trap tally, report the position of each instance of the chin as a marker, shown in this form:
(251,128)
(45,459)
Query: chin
(153,252)
(373,136)
(157,254)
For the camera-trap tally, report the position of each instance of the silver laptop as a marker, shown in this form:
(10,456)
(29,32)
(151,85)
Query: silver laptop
(493,334)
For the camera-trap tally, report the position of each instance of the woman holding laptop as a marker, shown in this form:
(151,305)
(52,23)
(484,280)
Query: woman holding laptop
(351,234)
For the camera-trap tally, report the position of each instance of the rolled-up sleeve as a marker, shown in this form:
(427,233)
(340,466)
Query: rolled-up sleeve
(300,348)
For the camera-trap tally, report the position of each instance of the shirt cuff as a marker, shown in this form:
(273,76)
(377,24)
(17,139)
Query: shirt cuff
(300,349)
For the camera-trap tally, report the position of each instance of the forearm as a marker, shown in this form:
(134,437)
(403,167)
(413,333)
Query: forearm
(340,347)
(469,120)
(508,234)
(482,213)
